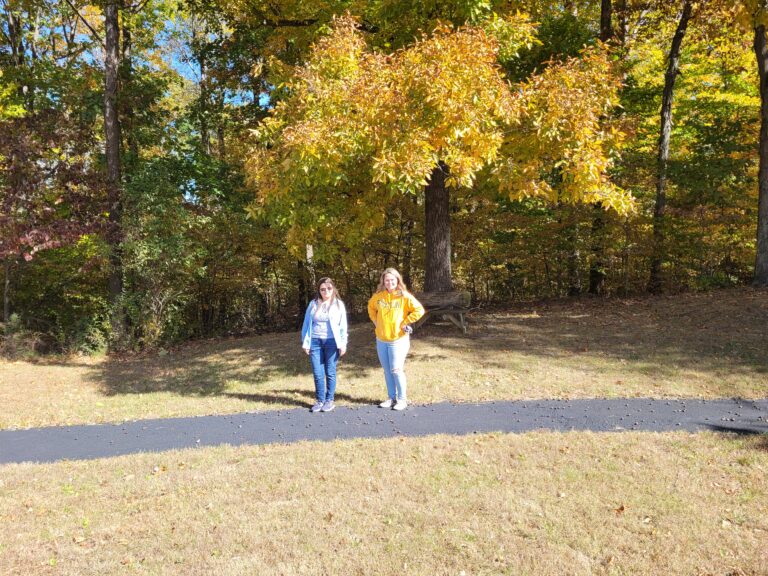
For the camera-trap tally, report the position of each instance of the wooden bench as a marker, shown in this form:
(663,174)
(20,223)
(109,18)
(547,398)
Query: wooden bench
(451,306)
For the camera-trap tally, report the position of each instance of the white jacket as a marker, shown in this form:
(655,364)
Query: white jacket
(337,315)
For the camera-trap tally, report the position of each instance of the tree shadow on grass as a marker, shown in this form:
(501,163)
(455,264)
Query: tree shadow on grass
(722,329)
(306,397)
(757,435)
(260,369)
(753,430)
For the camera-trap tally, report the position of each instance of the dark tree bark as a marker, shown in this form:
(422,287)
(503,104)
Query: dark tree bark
(15,35)
(408,251)
(221,141)
(302,292)
(761,257)
(127,104)
(112,145)
(606,26)
(574,260)
(597,247)
(655,282)
(7,290)
(621,28)
(205,135)
(437,232)
(407,226)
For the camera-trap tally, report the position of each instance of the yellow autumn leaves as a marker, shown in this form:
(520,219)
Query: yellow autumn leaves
(359,118)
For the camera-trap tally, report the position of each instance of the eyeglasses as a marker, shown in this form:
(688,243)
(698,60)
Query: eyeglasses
(326,289)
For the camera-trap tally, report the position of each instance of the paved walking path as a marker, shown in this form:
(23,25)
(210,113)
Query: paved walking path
(99,441)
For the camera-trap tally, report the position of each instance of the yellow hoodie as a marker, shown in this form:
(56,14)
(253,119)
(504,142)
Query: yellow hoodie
(390,312)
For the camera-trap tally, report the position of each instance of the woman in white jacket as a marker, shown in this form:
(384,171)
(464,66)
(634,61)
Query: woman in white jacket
(324,339)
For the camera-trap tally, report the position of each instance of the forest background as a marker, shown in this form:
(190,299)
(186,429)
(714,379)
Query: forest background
(173,170)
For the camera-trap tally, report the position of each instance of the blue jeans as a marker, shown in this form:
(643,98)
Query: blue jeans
(392,357)
(324,354)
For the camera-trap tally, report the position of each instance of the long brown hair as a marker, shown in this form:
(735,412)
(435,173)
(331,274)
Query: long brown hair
(400,284)
(334,297)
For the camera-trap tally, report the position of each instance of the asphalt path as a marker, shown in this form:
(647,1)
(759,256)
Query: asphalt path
(599,415)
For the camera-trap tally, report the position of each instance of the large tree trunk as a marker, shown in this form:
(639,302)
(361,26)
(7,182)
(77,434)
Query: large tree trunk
(112,145)
(437,232)
(761,258)
(673,69)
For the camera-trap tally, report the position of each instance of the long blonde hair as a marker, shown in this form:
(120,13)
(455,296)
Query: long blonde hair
(400,284)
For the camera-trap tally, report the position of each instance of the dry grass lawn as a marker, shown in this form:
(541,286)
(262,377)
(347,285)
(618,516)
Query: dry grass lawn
(540,504)
(694,345)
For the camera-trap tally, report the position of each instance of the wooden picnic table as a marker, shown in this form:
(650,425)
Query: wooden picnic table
(452,305)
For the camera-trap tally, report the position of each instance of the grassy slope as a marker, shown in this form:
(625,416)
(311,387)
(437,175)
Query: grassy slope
(538,503)
(695,345)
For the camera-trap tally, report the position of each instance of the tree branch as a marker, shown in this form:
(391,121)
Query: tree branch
(7,38)
(136,8)
(84,21)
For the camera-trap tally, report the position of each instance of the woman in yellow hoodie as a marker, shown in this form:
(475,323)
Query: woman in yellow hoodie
(392,310)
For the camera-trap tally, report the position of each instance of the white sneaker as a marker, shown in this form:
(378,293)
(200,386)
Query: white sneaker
(400,405)
(387,403)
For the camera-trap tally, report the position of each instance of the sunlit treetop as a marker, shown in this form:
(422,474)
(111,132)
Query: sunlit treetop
(562,145)
(749,13)
(378,124)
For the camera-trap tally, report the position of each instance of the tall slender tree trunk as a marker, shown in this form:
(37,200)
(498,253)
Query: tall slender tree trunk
(761,257)
(310,250)
(621,28)
(625,255)
(221,142)
(606,16)
(597,263)
(6,290)
(409,226)
(205,135)
(112,144)
(655,282)
(437,232)
(17,52)
(126,79)
(302,298)
(15,36)
(574,260)
(597,248)
(408,251)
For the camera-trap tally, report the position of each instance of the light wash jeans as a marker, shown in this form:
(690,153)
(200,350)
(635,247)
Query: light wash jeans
(324,354)
(392,357)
